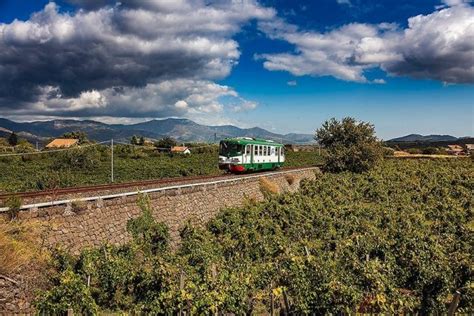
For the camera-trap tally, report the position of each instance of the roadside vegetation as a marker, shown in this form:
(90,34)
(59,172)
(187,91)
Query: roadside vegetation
(395,239)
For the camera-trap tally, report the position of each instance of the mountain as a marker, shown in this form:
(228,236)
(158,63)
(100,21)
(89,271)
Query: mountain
(181,129)
(424,139)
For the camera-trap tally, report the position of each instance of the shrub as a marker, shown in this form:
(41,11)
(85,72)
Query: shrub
(290,178)
(78,158)
(13,203)
(151,236)
(268,187)
(414,151)
(350,145)
(430,151)
(19,247)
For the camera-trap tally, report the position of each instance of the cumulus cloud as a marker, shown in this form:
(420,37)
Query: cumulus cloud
(179,97)
(437,46)
(111,52)
(292,83)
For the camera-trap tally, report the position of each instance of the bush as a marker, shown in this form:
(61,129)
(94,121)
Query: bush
(268,187)
(13,203)
(430,151)
(350,145)
(414,151)
(290,178)
(19,247)
(77,158)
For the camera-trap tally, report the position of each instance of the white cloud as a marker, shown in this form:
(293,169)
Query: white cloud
(347,2)
(170,98)
(98,59)
(292,83)
(437,46)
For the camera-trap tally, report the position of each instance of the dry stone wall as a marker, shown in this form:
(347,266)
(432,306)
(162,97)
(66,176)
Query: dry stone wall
(94,223)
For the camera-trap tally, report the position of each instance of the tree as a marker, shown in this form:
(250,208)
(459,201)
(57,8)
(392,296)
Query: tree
(166,142)
(81,136)
(13,139)
(350,145)
(134,140)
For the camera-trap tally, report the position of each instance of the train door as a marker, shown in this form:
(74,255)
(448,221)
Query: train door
(247,157)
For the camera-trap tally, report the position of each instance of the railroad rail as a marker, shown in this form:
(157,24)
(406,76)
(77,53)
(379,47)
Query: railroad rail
(109,187)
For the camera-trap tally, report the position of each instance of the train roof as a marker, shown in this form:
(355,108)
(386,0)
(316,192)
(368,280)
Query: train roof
(251,140)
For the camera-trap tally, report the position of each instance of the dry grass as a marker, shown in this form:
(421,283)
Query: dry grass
(404,154)
(19,246)
(290,178)
(268,187)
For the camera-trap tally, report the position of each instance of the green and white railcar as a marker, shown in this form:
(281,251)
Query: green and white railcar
(250,154)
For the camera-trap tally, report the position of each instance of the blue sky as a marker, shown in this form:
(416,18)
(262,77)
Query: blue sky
(282,65)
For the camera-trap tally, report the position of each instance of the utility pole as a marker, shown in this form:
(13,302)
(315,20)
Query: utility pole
(112,160)
(36,145)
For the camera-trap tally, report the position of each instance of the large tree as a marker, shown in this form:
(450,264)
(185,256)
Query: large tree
(13,139)
(350,145)
(79,135)
(166,142)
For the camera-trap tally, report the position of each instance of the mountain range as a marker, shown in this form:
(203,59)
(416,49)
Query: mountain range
(424,139)
(183,130)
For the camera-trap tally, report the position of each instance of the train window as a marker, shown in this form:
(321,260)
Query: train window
(260,150)
(268,151)
(255,150)
(248,149)
(264,150)
(282,151)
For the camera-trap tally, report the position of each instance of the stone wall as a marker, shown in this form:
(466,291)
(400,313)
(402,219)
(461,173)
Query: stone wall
(94,223)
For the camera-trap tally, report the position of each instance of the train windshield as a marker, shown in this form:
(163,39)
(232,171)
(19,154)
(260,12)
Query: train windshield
(230,149)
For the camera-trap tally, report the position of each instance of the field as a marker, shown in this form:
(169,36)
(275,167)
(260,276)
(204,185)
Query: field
(397,239)
(92,166)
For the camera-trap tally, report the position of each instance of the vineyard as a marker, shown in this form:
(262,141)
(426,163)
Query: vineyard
(86,166)
(396,239)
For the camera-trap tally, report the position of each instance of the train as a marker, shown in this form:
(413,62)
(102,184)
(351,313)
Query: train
(247,154)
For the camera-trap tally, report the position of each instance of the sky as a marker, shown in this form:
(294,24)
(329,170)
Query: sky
(287,66)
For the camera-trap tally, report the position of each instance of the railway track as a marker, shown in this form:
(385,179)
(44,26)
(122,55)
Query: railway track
(123,185)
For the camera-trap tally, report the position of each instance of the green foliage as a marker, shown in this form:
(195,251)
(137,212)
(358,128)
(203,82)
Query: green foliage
(166,142)
(146,233)
(394,240)
(414,151)
(430,151)
(78,158)
(13,203)
(4,142)
(137,140)
(13,139)
(350,145)
(80,136)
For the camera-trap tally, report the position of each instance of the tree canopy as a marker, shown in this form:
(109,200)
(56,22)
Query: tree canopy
(351,145)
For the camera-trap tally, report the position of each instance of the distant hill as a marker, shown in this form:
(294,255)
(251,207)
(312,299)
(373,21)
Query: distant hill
(181,129)
(420,141)
(421,138)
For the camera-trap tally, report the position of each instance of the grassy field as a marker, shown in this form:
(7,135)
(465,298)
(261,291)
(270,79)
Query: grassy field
(92,166)
(395,240)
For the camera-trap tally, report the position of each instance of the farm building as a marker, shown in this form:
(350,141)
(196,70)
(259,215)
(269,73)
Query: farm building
(455,149)
(180,150)
(62,143)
